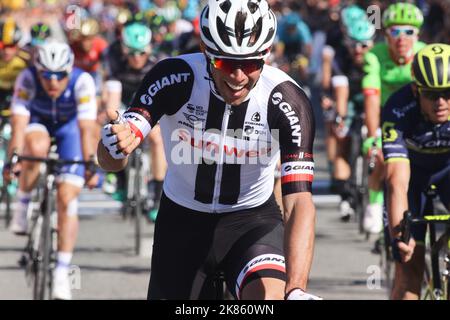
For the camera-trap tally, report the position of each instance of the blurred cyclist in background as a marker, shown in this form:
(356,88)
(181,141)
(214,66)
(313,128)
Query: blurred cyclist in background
(294,45)
(12,60)
(346,92)
(335,49)
(39,33)
(387,67)
(89,48)
(125,71)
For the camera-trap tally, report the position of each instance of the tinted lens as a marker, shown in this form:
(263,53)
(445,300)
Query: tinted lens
(435,94)
(136,53)
(358,44)
(8,46)
(396,32)
(48,75)
(229,65)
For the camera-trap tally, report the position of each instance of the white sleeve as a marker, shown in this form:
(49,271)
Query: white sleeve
(328,51)
(24,92)
(339,81)
(86,97)
(113,86)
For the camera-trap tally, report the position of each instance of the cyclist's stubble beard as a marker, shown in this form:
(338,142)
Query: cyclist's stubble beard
(401,49)
(236,78)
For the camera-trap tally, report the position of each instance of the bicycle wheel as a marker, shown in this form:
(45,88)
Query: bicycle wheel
(5,199)
(42,280)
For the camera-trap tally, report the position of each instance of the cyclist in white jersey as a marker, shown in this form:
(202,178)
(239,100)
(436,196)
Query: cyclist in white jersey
(226,118)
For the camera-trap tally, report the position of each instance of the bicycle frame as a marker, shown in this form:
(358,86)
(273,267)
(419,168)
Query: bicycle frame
(134,198)
(437,283)
(39,256)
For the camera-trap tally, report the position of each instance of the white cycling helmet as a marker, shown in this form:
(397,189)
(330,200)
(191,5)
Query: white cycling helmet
(54,56)
(243,29)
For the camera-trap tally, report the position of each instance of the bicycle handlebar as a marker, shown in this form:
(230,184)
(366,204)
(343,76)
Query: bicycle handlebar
(15,158)
(406,226)
(408,221)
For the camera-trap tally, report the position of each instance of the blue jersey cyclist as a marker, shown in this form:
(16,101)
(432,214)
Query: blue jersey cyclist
(220,113)
(416,148)
(54,100)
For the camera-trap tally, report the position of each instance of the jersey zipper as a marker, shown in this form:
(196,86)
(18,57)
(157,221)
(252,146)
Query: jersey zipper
(54,115)
(223,134)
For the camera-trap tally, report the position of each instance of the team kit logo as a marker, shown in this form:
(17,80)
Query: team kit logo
(294,122)
(154,88)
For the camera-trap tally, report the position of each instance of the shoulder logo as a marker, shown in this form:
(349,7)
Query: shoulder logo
(146,99)
(277,98)
(256,117)
(165,81)
(291,116)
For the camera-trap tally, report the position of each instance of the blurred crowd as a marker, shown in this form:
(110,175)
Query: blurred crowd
(303,26)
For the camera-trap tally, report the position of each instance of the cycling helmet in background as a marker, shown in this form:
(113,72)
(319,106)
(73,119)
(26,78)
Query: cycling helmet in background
(170,12)
(291,19)
(431,66)
(89,27)
(54,56)
(39,33)
(351,14)
(361,30)
(123,15)
(243,29)
(10,33)
(402,13)
(136,36)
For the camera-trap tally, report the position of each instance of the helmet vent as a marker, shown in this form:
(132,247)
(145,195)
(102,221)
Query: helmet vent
(448,70)
(256,32)
(439,66)
(239,27)
(252,7)
(427,65)
(224,33)
(226,6)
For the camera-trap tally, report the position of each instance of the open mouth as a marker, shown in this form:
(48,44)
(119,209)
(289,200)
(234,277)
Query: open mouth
(235,88)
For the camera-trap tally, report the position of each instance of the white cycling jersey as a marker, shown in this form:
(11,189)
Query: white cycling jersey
(222,158)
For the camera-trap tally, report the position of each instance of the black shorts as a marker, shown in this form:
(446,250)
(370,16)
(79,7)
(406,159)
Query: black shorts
(191,247)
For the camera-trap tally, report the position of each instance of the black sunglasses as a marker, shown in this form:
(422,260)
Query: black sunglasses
(434,95)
